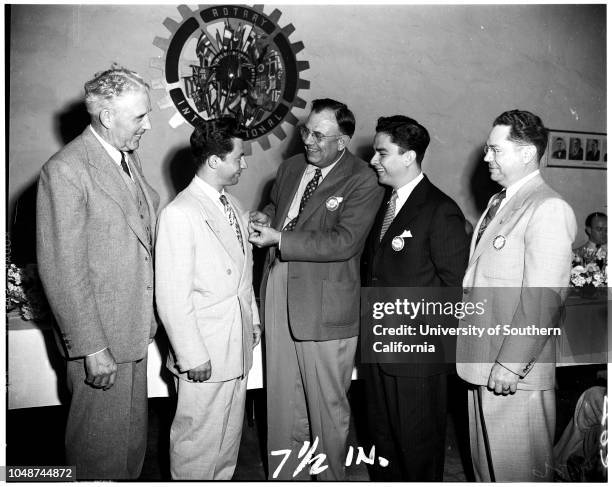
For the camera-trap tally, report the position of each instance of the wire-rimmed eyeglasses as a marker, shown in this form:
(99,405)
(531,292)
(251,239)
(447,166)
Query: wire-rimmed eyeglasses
(318,137)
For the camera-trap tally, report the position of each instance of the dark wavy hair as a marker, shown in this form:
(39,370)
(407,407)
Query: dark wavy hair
(405,132)
(344,117)
(213,137)
(525,128)
(589,219)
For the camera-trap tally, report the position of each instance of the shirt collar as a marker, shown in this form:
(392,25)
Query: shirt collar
(113,152)
(211,192)
(514,187)
(311,168)
(406,190)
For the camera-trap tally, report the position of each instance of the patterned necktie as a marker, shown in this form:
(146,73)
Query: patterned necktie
(231,217)
(124,165)
(310,188)
(389,214)
(491,212)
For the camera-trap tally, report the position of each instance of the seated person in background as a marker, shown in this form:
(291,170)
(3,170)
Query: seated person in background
(578,453)
(596,227)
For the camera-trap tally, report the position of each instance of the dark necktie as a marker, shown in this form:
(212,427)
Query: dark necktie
(231,217)
(389,214)
(491,212)
(310,188)
(124,165)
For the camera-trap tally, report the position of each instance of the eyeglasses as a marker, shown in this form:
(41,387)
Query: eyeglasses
(318,137)
(496,151)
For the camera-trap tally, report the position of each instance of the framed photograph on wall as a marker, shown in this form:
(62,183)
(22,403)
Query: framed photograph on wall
(576,149)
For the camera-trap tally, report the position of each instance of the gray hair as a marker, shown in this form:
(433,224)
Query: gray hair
(109,84)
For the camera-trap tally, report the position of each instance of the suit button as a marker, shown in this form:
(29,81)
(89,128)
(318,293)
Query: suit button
(466,291)
(149,288)
(229,271)
(146,258)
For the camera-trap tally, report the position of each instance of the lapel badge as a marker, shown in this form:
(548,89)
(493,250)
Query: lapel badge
(333,202)
(397,243)
(499,242)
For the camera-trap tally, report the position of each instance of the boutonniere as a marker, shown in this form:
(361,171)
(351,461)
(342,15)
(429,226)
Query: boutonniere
(397,243)
(333,202)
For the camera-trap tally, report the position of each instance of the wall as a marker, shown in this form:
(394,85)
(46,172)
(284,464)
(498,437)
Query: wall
(453,68)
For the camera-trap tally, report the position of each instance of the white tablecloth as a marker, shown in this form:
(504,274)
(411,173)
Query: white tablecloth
(36,371)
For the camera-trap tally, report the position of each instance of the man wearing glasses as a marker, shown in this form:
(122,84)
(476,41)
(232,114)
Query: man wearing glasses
(520,260)
(322,205)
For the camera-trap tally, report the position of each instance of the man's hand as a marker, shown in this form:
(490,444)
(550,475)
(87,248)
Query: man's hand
(257,217)
(256,335)
(263,236)
(100,369)
(200,373)
(502,380)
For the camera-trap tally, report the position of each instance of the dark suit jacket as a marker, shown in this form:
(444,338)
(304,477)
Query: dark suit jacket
(94,255)
(435,256)
(324,249)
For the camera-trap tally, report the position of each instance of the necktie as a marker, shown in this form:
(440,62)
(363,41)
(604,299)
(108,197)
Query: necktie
(231,217)
(491,212)
(310,188)
(124,165)
(389,214)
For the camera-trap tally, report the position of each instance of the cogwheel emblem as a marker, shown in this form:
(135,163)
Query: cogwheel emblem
(230,60)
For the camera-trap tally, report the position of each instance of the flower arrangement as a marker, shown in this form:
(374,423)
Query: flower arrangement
(24,290)
(589,268)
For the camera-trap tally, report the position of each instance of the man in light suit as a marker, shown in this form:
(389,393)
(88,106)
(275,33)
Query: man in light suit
(95,221)
(322,206)
(520,263)
(406,403)
(205,299)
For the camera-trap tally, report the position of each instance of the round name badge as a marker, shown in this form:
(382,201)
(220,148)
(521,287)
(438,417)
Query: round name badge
(499,242)
(397,243)
(332,203)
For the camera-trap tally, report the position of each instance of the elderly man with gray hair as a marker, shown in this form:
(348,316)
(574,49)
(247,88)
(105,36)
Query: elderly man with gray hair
(95,222)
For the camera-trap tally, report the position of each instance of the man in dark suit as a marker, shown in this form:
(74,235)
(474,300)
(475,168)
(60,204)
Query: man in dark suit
(95,221)
(418,240)
(322,206)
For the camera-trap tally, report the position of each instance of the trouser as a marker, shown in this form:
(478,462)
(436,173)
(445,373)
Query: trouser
(520,428)
(206,430)
(106,431)
(307,384)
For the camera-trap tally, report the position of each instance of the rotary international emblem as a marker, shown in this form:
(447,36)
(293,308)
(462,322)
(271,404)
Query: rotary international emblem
(230,60)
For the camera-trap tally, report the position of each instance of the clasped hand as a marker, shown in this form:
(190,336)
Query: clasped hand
(261,234)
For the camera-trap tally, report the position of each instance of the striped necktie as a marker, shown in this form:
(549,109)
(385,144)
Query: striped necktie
(389,214)
(231,217)
(491,212)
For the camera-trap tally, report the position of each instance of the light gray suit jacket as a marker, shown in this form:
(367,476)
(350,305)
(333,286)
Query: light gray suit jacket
(204,286)
(521,266)
(94,255)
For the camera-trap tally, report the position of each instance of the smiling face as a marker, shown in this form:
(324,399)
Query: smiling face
(128,119)
(389,162)
(324,152)
(230,167)
(506,159)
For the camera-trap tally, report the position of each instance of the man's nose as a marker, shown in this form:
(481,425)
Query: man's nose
(146,123)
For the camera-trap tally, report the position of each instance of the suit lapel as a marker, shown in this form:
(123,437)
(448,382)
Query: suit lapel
(111,181)
(288,192)
(503,216)
(219,225)
(408,212)
(328,187)
(138,176)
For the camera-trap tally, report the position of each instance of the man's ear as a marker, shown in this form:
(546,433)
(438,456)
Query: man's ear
(106,117)
(343,142)
(212,161)
(409,157)
(529,154)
